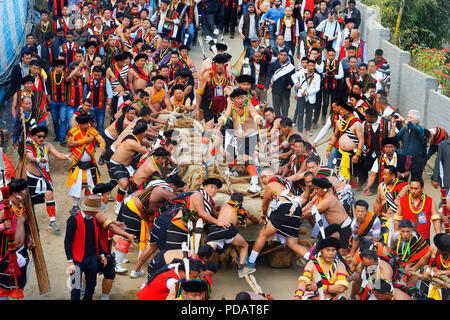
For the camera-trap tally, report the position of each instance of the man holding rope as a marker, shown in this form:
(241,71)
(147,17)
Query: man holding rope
(245,121)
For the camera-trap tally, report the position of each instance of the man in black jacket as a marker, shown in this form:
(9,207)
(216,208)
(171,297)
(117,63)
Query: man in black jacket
(279,79)
(19,71)
(352,12)
(82,246)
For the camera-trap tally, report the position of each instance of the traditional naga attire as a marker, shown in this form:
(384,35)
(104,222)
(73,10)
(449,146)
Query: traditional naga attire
(295,167)
(168,211)
(214,100)
(420,215)
(372,142)
(38,99)
(177,231)
(391,194)
(158,286)
(401,162)
(285,211)
(405,253)
(11,257)
(179,293)
(39,185)
(118,171)
(84,170)
(346,166)
(225,236)
(442,262)
(140,221)
(330,278)
(144,184)
(368,282)
(345,194)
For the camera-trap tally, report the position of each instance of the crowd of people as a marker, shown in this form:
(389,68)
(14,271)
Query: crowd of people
(112,74)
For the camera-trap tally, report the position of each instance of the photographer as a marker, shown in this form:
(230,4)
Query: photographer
(329,30)
(413,142)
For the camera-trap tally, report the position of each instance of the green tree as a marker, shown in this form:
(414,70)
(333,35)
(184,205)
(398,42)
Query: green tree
(423,22)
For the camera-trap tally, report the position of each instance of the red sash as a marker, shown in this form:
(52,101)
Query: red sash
(73,84)
(140,73)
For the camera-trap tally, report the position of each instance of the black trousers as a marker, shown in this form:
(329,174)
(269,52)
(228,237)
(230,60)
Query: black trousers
(417,166)
(89,266)
(328,96)
(366,165)
(317,106)
(281,102)
(230,18)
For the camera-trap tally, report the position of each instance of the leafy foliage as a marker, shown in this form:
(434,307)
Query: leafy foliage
(423,22)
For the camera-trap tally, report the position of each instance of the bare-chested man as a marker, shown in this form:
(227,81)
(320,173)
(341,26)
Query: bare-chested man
(283,150)
(350,135)
(159,98)
(327,204)
(137,77)
(38,168)
(143,206)
(245,121)
(113,131)
(151,169)
(389,193)
(233,213)
(283,219)
(124,160)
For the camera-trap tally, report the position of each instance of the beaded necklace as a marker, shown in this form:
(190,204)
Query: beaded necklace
(412,206)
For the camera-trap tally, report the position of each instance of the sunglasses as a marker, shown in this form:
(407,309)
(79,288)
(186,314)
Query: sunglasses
(41,137)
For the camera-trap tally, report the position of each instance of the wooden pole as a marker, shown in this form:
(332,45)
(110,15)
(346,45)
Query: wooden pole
(399,18)
(37,252)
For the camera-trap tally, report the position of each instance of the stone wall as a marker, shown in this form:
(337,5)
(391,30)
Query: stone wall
(410,88)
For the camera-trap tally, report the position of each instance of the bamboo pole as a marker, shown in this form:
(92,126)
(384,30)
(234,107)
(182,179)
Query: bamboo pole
(37,252)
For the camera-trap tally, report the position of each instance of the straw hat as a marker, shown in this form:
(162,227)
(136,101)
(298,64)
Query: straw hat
(91,203)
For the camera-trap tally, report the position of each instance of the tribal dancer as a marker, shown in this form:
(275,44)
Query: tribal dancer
(40,183)
(82,140)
